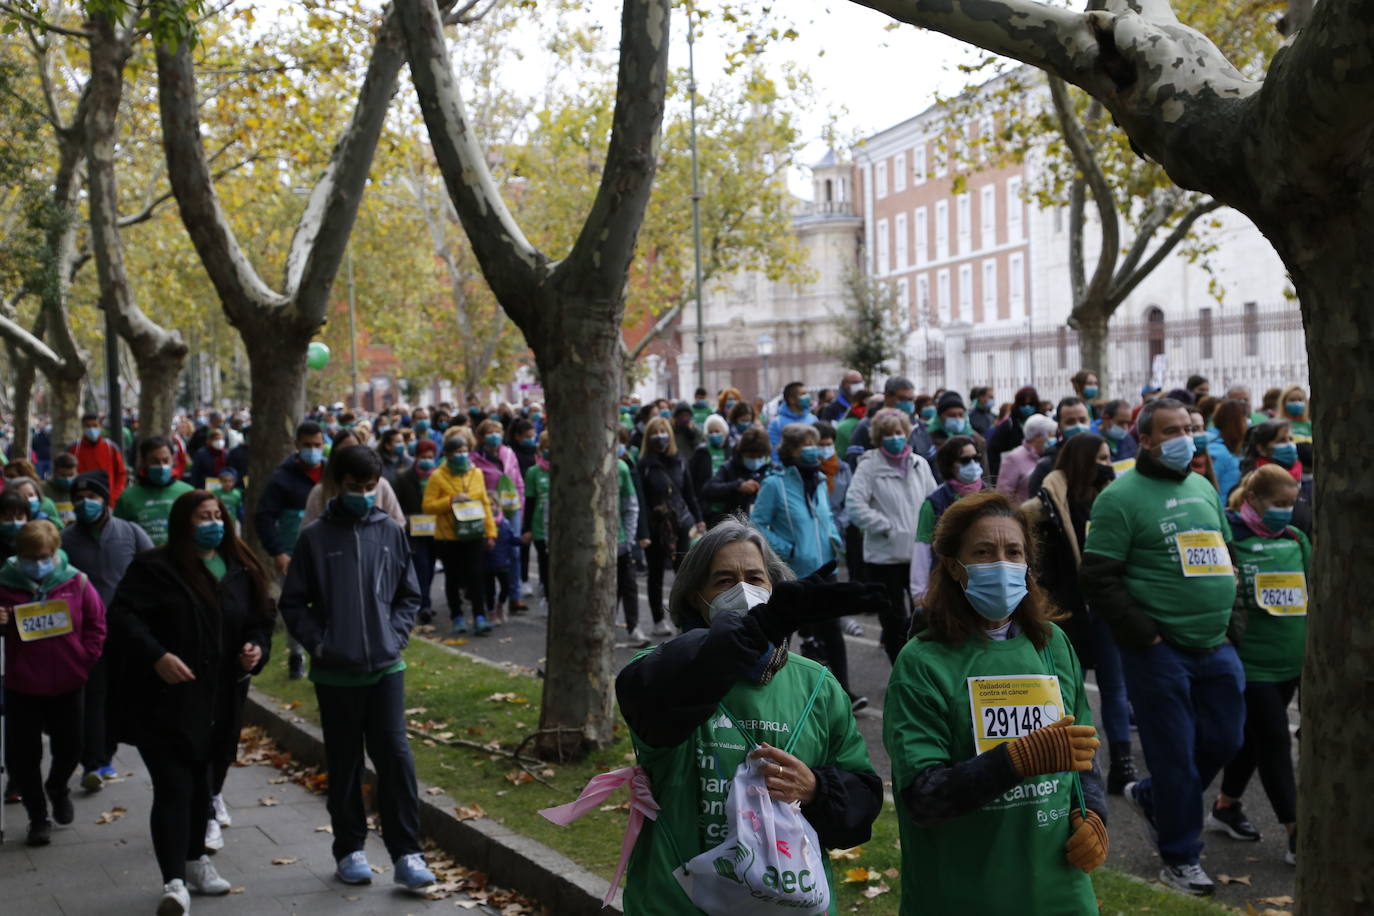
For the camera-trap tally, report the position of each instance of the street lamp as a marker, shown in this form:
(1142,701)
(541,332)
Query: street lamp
(765,345)
(696,197)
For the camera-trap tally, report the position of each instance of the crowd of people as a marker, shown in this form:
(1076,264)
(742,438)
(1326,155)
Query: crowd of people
(1005,548)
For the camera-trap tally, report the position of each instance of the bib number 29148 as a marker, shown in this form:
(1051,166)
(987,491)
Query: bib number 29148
(1203,553)
(1007,707)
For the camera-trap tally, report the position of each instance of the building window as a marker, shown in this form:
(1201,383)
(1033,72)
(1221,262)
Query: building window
(1204,332)
(1251,319)
(990,289)
(922,300)
(1154,343)
(901,241)
(880,179)
(941,230)
(941,159)
(899,172)
(987,216)
(965,292)
(903,301)
(884,249)
(984,138)
(922,237)
(964,206)
(1016,284)
(918,163)
(942,295)
(1014,210)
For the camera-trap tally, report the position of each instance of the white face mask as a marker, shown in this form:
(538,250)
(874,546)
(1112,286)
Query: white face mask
(739,598)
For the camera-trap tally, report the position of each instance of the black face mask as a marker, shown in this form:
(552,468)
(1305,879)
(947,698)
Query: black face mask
(1105,474)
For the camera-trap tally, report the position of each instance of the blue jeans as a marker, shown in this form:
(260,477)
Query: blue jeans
(515,589)
(1190,710)
(422,556)
(1111,684)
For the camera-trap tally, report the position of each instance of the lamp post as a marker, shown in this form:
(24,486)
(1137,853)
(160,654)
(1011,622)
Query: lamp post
(765,345)
(696,196)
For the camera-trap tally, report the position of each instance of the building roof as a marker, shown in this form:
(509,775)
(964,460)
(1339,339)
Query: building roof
(830,160)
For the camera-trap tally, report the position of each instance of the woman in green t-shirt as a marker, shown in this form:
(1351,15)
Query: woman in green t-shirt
(1274,559)
(1000,805)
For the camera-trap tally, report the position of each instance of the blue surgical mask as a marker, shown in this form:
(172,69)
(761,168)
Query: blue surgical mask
(399,449)
(716,440)
(422,426)
(1276,518)
(208,535)
(730,405)
(1025,411)
(1071,431)
(700,405)
(907,407)
(1292,408)
(810,456)
(1284,454)
(954,425)
(620,449)
(1177,452)
(92,433)
(310,457)
(666,414)
(1089,391)
(493,440)
(1200,443)
(827,452)
(37,570)
(928,412)
(88,510)
(530,443)
(893,445)
(459,464)
(63,483)
(358,504)
(9,531)
(804,402)
(1115,433)
(755,464)
(159,474)
(35,504)
(970,472)
(995,589)
(741,427)
(546,454)
(426,464)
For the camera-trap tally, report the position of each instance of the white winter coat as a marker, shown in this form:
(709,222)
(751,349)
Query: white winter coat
(885,506)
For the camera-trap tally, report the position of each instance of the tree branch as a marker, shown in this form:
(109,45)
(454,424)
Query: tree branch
(1119,293)
(28,18)
(511,264)
(1095,289)
(43,356)
(664,322)
(1160,213)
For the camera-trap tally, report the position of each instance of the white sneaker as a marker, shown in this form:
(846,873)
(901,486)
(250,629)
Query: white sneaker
(1190,879)
(664,628)
(221,811)
(202,878)
(214,835)
(637,637)
(176,900)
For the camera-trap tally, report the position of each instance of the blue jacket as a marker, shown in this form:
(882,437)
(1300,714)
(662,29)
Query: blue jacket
(282,507)
(785,416)
(503,553)
(801,530)
(1123,450)
(1224,464)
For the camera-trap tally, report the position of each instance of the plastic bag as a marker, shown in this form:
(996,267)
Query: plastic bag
(770,861)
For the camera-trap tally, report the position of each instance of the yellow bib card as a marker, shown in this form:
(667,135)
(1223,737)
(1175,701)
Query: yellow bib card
(42,620)
(1282,594)
(422,526)
(1012,706)
(1203,553)
(1124,465)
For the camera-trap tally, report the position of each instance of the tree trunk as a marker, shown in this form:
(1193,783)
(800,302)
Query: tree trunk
(64,404)
(580,368)
(1328,260)
(22,409)
(159,371)
(276,370)
(1092,348)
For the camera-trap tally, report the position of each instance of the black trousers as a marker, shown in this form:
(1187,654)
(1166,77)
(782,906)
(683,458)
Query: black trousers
(1268,748)
(181,808)
(627,589)
(658,559)
(525,562)
(541,549)
(462,575)
(830,638)
(497,586)
(854,553)
(27,717)
(895,578)
(96,749)
(225,744)
(373,717)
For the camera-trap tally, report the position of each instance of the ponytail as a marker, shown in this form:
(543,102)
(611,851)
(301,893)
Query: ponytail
(1265,482)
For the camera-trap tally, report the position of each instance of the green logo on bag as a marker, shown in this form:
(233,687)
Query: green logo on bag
(726,865)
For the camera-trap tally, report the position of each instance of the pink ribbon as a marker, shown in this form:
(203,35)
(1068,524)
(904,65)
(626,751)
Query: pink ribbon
(596,791)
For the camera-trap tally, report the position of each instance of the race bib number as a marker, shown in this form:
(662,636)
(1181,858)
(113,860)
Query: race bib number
(42,620)
(1124,465)
(1282,594)
(67,511)
(1203,553)
(1012,706)
(422,526)
(468,511)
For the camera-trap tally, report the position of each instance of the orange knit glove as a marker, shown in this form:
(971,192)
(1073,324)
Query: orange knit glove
(1059,748)
(1088,844)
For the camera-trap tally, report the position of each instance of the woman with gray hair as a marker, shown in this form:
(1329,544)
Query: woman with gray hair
(686,702)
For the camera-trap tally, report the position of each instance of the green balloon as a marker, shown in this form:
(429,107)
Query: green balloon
(317,355)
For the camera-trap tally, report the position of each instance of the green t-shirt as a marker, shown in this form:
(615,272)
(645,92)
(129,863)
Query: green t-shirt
(844,433)
(215,563)
(626,491)
(351,678)
(233,501)
(691,781)
(700,415)
(925,523)
(148,507)
(1276,638)
(1143,522)
(1302,430)
(537,497)
(50,511)
(1008,856)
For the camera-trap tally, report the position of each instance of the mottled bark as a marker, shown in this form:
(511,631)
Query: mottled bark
(276,369)
(21,411)
(570,314)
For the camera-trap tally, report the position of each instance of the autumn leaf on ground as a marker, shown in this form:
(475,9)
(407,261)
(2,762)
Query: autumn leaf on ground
(455,642)
(434,790)
(109,817)
(857,875)
(1285,900)
(874,890)
(518,777)
(286,860)
(292,705)
(416,710)
(237,890)
(846,855)
(325,828)
(278,780)
(268,802)
(1228,879)
(469,812)
(507,698)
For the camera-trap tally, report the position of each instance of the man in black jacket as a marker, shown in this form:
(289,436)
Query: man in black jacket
(350,598)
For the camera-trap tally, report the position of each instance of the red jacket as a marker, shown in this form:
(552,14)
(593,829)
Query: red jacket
(102,455)
(59,664)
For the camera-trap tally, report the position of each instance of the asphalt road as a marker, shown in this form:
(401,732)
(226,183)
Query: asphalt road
(521,642)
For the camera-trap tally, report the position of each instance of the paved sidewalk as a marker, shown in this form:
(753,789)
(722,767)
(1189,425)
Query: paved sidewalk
(109,868)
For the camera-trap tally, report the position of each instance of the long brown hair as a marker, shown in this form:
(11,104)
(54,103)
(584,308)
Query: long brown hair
(181,547)
(949,616)
(1231,420)
(1077,459)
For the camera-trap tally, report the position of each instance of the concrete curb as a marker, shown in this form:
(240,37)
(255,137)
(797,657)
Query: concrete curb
(506,857)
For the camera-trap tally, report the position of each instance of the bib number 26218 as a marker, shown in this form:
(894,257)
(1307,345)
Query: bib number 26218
(1203,553)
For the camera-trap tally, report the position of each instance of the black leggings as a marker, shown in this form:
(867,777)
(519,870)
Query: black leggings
(225,743)
(541,549)
(181,808)
(658,559)
(462,576)
(895,578)
(96,748)
(627,590)
(831,638)
(1268,748)
(27,717)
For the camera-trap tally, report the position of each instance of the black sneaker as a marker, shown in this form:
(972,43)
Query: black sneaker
(1291,856)
(62,810)
(1232,821)
(857,703)
(1143,804)
(295,666)
(40,833)
(1120,774)
(1190,879)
